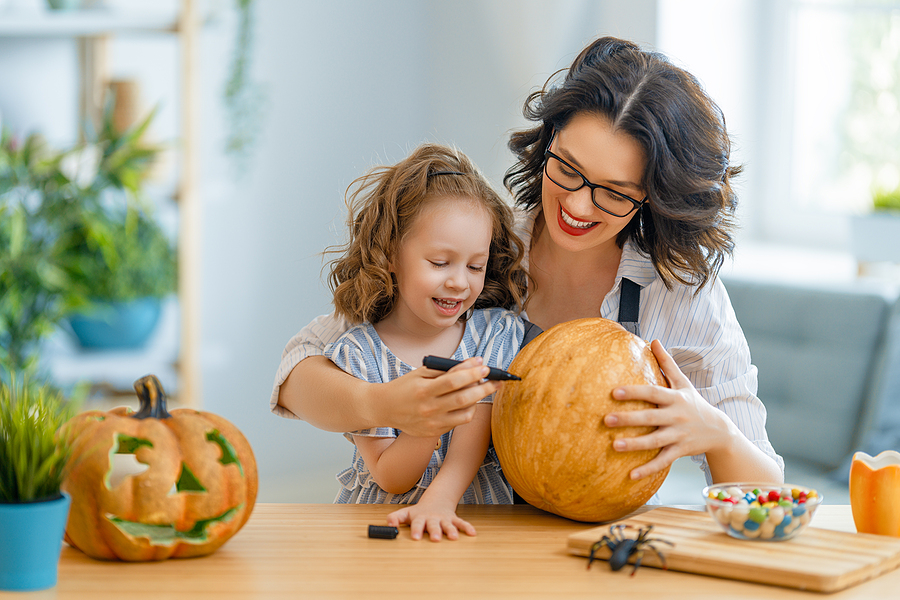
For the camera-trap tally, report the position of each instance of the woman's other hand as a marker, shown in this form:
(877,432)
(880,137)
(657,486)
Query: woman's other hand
(687,425)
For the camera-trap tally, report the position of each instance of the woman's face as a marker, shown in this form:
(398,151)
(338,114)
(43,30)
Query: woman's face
(604,156)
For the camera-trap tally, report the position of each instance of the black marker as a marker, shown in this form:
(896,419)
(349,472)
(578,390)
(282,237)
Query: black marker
(445,364)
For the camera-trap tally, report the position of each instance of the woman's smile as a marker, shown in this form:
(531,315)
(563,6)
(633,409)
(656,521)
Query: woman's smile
(573,226)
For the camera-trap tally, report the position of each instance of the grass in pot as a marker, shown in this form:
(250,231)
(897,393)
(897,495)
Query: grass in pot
(33,463)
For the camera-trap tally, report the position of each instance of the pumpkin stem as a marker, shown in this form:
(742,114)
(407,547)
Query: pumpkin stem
(152,397)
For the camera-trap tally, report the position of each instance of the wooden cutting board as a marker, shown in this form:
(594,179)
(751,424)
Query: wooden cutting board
(818,559)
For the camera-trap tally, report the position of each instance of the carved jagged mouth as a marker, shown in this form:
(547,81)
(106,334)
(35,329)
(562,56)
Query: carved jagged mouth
(166,534)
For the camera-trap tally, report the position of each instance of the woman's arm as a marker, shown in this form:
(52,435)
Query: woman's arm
(424,402)
(688,425)
(436,510)
(396,464)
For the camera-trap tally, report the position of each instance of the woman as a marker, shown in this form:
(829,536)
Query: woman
(625,178)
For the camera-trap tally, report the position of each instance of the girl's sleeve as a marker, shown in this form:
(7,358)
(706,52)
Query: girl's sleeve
(501,341)
(312,340)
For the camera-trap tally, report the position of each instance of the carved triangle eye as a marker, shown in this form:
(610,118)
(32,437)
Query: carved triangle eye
(187,481)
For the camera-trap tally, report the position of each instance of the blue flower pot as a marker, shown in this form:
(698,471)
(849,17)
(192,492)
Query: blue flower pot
(31,535)
(117,324)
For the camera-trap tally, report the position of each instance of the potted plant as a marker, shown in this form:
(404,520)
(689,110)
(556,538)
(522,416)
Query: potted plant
(125,263)
(874,235)
(38,205)
(127,266)
(73,219)
(33,462)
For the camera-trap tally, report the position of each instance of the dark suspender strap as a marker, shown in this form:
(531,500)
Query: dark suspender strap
(629,305)
(531,332)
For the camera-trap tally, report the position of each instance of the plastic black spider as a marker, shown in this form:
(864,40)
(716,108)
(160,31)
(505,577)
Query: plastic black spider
(623,548)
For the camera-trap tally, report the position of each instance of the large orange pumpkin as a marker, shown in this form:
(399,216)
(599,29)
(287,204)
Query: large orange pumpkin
(197,490)
(548,428)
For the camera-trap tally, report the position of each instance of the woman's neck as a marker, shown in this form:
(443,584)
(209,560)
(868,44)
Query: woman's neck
(570,285)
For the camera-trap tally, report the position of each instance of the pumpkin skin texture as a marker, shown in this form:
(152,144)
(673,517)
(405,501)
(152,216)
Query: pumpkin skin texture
(548,428)
(198,489)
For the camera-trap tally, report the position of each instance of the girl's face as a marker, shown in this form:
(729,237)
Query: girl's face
(440,264)
(605,157)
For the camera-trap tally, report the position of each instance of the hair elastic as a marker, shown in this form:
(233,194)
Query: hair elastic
(445,173)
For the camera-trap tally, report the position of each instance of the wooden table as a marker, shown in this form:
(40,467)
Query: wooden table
(322,551)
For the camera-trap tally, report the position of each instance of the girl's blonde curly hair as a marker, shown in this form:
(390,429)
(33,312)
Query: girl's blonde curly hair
(382,206)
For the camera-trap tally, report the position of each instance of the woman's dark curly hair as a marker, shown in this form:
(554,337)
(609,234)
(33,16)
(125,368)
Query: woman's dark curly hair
(686,225)
(382,206)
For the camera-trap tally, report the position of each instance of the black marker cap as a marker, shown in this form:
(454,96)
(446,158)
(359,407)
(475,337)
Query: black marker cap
(383,532)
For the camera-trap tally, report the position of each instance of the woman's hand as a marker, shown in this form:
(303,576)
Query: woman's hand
(436,517)
(426,402)
(686,423)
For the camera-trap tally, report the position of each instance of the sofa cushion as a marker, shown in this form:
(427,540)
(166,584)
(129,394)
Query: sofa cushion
(819,354)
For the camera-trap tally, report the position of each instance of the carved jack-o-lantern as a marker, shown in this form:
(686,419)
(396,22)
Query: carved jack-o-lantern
(196,486)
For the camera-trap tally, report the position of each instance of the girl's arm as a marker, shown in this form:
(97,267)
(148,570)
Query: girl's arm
(423,402)
(436,510)
(398,463)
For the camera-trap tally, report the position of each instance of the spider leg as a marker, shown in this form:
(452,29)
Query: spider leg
(604,541)
(662,557)
(639,556)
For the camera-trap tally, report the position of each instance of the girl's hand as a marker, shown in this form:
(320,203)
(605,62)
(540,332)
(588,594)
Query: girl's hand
(686,423)
(427,403)
(436,518)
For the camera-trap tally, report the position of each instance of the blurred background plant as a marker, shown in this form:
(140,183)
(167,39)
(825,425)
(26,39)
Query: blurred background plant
(886,200)
(76,227)
(244,98)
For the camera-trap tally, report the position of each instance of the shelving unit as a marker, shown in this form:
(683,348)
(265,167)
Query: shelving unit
(93,30)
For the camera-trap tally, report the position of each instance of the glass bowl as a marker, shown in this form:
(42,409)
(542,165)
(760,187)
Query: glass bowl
(761,511)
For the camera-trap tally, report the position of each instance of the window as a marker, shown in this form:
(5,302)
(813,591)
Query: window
(810,89)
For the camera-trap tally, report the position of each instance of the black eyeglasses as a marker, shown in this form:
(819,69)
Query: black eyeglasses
(570,179)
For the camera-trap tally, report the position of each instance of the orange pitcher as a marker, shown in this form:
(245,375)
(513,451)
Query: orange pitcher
(875,492)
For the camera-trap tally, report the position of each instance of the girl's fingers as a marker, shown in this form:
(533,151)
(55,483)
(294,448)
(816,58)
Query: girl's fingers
(464,526)
(398,517)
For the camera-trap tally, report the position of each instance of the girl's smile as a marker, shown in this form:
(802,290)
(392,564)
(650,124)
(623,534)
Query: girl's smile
(448,306)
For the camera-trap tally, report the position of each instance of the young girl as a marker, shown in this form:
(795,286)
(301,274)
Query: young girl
(431,267)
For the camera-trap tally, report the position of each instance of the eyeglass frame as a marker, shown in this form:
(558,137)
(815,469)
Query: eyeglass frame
(585,182)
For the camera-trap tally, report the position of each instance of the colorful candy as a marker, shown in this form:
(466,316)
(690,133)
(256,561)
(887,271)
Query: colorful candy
(771,514)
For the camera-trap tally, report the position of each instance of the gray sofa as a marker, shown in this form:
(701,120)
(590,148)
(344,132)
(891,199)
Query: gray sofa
(829,366)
